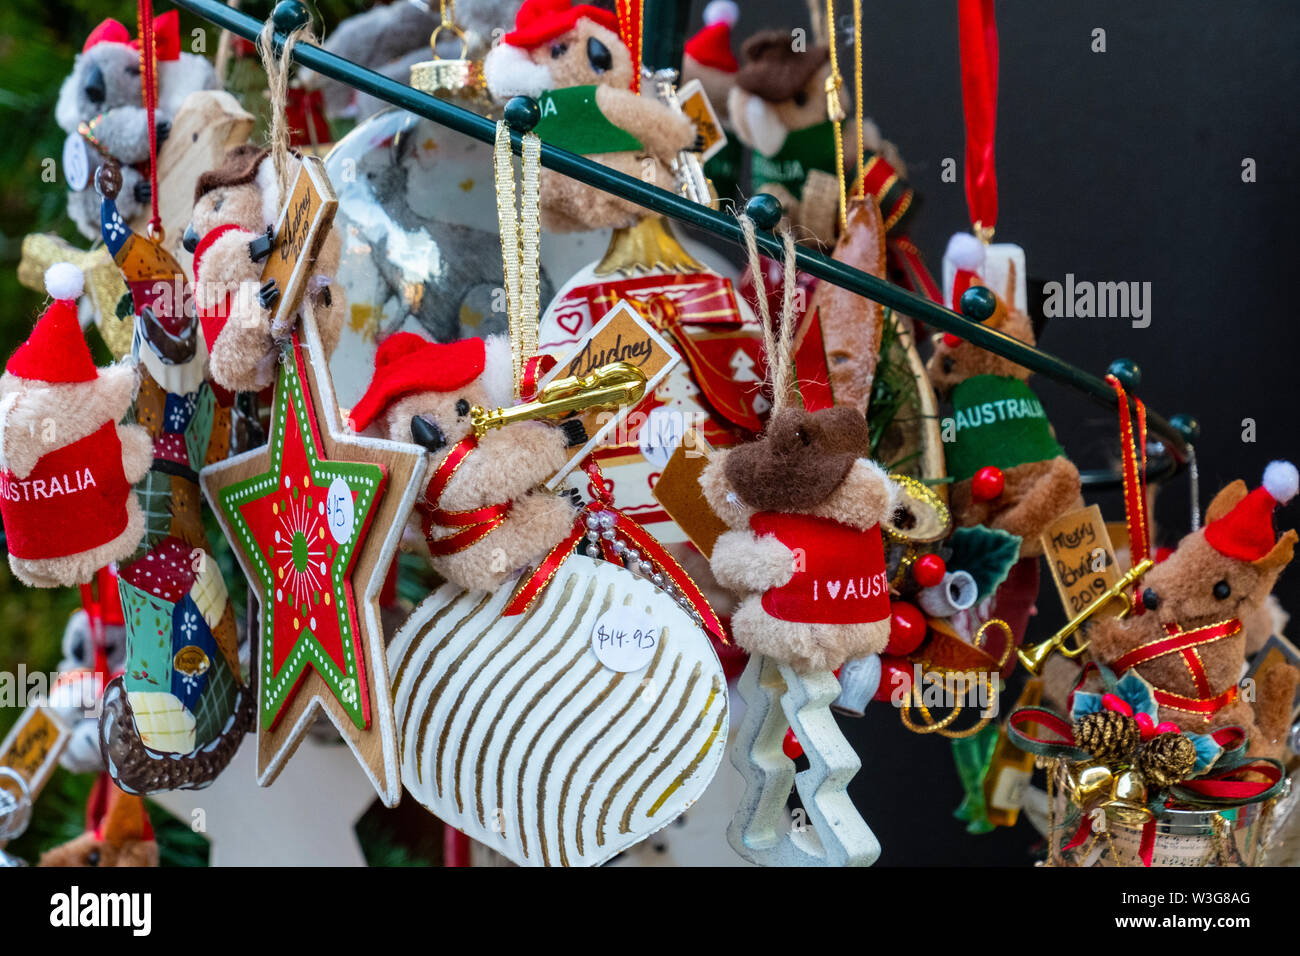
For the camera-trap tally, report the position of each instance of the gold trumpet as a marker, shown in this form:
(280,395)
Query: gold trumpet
(1033,657)
(618,383)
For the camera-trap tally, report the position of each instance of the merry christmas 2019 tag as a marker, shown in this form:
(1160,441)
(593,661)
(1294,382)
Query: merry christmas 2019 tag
(695,104)
(1078,550)
(304,220)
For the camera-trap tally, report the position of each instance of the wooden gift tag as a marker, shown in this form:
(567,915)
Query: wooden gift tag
(620,336)
(678,490)
(32,747)
(304,220)
(1078,550)
(699,110)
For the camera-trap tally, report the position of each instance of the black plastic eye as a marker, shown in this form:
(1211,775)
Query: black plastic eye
(948,364)
(462,407)
(92,858)
(803,436)
(1222,589)
(557,50)
(598,55)
(1150,600)
(801,99)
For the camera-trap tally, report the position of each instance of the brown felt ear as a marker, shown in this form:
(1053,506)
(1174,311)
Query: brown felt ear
(126,818)
(1009,290)
(1225,500)
(1281,554)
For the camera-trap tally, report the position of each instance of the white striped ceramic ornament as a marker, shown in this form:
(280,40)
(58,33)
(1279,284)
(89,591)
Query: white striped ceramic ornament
(514,731)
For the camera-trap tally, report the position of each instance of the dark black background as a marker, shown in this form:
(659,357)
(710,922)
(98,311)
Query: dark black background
(1116,166)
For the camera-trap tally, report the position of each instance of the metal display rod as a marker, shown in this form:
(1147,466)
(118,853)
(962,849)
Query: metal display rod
(289,14)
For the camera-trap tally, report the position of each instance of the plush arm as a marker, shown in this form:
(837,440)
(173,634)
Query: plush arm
(746,563)
(507,463)
(661,129)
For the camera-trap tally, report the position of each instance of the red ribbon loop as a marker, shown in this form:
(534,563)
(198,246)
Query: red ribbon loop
(978,33)
(1133,448)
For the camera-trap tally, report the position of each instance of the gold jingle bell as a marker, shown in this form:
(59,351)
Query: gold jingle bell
(455,79)
(1090,781)
(1128,798)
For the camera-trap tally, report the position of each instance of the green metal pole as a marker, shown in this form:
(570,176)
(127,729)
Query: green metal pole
(702,217)
(664,33)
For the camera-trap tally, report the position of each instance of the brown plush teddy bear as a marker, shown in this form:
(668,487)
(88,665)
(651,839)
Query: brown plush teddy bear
(573,61)
(66,465)
(235,205)
(1190,643)
(483,515)
(118,832)
(998,422)
(803,506)
(778,109)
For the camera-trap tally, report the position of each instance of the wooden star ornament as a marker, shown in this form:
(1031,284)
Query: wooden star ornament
(314,518)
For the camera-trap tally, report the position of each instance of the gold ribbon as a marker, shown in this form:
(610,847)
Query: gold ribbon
(521,241)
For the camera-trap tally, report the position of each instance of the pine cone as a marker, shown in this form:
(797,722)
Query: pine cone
(1167,759)
(1107,735)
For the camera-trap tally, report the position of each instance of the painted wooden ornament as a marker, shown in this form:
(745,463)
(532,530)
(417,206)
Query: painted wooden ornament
(519,732)
(778,699)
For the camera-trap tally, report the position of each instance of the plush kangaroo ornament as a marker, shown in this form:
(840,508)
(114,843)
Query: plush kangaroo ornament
(66,465)
(1040,483)
(572,59)
(484,515)
(236,206)
(118,832)
(102,110)
(1190,643)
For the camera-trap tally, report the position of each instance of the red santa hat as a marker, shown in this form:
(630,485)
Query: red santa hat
(711,47)
(966,254)
(56,351)
(540,21)
(166,35)
(1246,532)
(407,363)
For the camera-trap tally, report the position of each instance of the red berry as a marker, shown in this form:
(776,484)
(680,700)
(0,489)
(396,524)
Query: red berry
(906,628)
(1168,727)
(950,340)
(1146,726)
(791,746)
(1117,704)
(928,570)
(987,483)
(895,678)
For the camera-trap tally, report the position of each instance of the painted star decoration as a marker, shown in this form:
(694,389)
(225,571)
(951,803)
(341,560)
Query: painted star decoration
(314,517)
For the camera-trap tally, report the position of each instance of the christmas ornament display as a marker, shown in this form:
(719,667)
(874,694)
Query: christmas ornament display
(118,832)
(708,58)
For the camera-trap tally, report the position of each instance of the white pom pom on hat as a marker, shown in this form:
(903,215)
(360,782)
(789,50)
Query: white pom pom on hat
(722,11)
(1281,480)
(64,281)
(965,251)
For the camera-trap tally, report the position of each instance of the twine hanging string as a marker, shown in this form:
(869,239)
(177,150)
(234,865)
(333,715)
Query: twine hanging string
(277,80)
(521,240)
(778,338)
(149,88)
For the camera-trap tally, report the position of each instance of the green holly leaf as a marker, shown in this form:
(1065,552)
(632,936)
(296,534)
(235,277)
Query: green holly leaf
(986,554)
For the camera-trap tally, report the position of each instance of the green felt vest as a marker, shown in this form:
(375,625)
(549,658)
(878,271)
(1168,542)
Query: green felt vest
(998,422)
(571,120)
(803,150)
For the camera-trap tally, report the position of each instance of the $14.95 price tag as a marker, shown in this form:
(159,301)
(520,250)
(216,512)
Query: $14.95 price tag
(625,639)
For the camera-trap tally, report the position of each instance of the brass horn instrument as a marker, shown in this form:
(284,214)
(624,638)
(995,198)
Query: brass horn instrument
(618,383)
(1033,657)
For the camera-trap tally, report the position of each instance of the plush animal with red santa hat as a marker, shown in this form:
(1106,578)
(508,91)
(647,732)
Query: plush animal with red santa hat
(574,62)
(235,206)
(484,515)
(66,465)
(101,107)
(1189,642)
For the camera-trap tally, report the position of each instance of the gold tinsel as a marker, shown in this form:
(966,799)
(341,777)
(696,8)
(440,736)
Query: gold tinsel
(1106,735)
(1167,759)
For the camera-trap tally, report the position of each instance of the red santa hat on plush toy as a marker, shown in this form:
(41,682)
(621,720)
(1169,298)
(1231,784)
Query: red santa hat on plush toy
(711,47)
(56,351)
(1246,532)
(407,364)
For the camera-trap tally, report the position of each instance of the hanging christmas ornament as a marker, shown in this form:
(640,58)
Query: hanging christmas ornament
(508,678)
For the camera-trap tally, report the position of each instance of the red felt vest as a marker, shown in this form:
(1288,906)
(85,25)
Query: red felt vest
(841,577)
(74,499)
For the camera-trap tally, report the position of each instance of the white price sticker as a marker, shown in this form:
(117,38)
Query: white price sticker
(625,639)
(76,162)
(340,511)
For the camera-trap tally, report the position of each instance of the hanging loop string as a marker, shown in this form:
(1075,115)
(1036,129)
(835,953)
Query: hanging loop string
(521,241)
(978,32)
(277,79)
(149,89)
(835,110)
(778,337)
